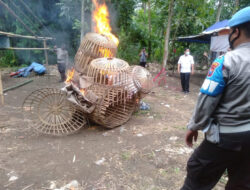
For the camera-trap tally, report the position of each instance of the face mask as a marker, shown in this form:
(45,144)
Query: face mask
(187,53)
(231,43)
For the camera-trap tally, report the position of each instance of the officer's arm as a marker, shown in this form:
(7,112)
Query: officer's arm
(210,95)
(204,108)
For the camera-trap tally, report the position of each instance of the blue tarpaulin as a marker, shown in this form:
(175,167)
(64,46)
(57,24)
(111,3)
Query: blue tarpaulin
(201,38)
(36,67)
(216,27)
(205,36)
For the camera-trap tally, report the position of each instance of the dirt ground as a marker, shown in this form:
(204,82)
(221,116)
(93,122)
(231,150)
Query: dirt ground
(146,153)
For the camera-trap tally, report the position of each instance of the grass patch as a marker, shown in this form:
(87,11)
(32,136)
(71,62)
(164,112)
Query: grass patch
(141,112)
(126,156)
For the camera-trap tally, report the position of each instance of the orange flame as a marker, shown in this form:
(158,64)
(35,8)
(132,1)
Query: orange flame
(70,75)
(105,52)
(82,91)
(101,19)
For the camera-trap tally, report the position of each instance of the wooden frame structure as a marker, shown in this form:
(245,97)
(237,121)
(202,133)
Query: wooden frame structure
(44,39)
(11,35)
(1,89)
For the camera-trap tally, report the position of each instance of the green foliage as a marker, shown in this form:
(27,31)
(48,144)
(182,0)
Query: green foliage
(190,17)
(128,51)
(129,21)
(7,58)
(229,8)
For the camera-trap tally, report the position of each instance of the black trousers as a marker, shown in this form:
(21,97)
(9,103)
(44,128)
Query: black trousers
(209,161)
(143,64)
(62,69)
(185,81)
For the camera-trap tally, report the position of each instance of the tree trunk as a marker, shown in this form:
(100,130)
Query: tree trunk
(236,7)
(170,14)
(149,29)
(82,20)
(174,41)
(144,7)
(219,10)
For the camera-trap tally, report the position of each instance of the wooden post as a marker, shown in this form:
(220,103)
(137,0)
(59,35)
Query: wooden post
(45,53)
(1,89)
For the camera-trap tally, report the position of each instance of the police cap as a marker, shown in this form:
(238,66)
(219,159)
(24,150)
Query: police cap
(240,17)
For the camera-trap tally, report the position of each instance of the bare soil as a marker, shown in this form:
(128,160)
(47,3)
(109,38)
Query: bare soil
(146,153)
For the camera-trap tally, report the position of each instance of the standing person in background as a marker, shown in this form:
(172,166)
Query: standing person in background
(143,57)
(185,67)
(62,60)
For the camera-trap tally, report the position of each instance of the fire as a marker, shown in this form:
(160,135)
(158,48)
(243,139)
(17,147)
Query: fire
(101,18)
(70,75)
(82,91)
(106,52)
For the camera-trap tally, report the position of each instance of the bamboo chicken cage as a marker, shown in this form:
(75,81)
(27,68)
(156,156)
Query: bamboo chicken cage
(142,79)
(101,88)
(52,113)
(110,76)
(93,46)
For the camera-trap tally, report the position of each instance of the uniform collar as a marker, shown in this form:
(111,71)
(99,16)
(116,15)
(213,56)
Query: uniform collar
(245,44)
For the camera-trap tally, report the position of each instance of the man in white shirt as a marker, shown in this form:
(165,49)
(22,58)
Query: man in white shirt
(185,67)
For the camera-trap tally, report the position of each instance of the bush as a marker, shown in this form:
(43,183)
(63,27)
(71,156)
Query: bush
(8,58)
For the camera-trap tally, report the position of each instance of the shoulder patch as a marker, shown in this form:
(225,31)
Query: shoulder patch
(214,83)
(212,69)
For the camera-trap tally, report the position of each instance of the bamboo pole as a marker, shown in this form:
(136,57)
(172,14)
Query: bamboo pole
(16,48)
(1,89)
(45,52)
(17,86)
(23,36)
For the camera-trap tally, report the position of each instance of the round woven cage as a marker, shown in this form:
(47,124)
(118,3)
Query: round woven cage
(109,72)
(114,108)
(93,46)
(51,113)
(142,79)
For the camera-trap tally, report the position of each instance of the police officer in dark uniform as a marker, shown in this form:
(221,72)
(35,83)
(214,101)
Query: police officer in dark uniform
(222,112)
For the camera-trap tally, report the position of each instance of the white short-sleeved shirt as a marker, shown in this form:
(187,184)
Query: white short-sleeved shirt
(186,62)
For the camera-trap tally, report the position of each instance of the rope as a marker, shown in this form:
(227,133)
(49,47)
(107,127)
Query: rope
(24,15)
(35,16)
(13,14)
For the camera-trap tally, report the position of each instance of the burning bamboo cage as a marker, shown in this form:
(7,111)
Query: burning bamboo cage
(100,88)
(110,76)
(93,46)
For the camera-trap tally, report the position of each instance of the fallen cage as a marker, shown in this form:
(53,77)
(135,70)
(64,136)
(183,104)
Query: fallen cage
(52,113)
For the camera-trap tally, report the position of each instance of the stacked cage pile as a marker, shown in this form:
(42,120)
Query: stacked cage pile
(100,87)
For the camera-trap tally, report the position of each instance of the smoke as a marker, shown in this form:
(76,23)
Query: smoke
(61,20)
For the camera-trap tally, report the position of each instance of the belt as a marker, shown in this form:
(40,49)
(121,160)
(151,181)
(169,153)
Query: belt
(235,129)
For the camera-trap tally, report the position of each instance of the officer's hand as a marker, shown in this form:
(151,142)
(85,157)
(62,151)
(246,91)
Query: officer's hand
(190,136)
